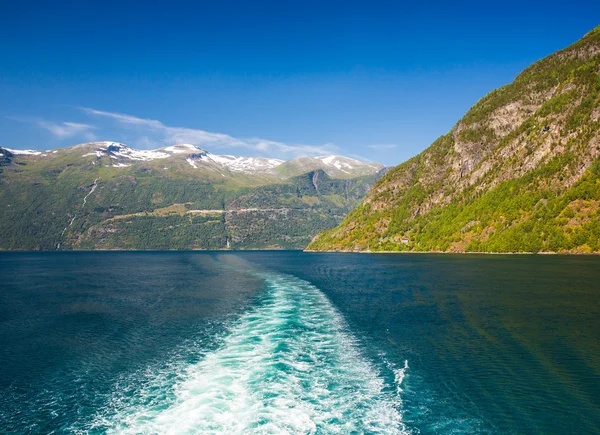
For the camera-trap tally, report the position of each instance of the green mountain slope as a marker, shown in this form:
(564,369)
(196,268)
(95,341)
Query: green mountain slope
(109,196)
(519,173)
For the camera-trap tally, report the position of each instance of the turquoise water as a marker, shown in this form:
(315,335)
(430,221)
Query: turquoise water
(298,343)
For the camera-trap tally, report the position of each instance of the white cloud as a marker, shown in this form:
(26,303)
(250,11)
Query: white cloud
(152,131)
(67,129)
(62,130)
(382,146)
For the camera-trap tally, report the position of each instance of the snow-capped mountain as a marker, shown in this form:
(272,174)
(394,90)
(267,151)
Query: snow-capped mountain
(118,151)
(194,156)
(107,195)
(123,156)
(334,166)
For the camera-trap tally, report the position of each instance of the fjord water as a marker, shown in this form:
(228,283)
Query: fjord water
(292,342)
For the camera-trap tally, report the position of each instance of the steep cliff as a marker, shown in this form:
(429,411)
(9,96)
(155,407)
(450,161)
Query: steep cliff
(520,172)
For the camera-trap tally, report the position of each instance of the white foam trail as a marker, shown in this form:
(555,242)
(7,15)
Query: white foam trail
(290,366)
(399,376)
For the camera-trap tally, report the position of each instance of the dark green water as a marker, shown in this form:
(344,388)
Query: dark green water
(290,342)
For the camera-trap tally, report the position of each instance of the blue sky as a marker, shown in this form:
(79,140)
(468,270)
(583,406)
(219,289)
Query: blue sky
(375,80)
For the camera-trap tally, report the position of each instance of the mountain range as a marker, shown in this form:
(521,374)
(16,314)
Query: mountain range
(106,195)
(520,172)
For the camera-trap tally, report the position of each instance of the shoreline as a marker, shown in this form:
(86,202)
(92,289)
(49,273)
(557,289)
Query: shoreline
(453,253)
(304,250)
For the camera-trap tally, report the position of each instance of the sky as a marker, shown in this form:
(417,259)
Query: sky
(378,81)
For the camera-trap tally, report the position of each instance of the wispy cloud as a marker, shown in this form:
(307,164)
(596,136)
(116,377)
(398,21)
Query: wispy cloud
(152,131)
(67,129)
(384,146)
(63,130)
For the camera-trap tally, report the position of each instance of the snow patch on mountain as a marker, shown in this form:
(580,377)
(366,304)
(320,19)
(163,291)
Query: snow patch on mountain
(191,162)
(242,164)
(123,151)
(340,162)
(182,148)
(25,152)
(119,151)
(95,153)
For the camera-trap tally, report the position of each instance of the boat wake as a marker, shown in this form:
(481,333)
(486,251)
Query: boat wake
(288,366)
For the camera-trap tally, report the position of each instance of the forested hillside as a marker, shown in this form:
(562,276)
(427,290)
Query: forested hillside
(519,173)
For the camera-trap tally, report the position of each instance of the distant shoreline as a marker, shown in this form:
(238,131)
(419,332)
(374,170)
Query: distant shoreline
(454,253)
(148,250)
(303,250)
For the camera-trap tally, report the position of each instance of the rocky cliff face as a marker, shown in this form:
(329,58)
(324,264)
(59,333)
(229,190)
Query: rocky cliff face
(520,172)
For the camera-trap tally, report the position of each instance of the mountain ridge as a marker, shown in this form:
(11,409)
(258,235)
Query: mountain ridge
(335,165)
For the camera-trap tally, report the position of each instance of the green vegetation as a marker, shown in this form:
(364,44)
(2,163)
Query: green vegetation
(146,206)
(519,173)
